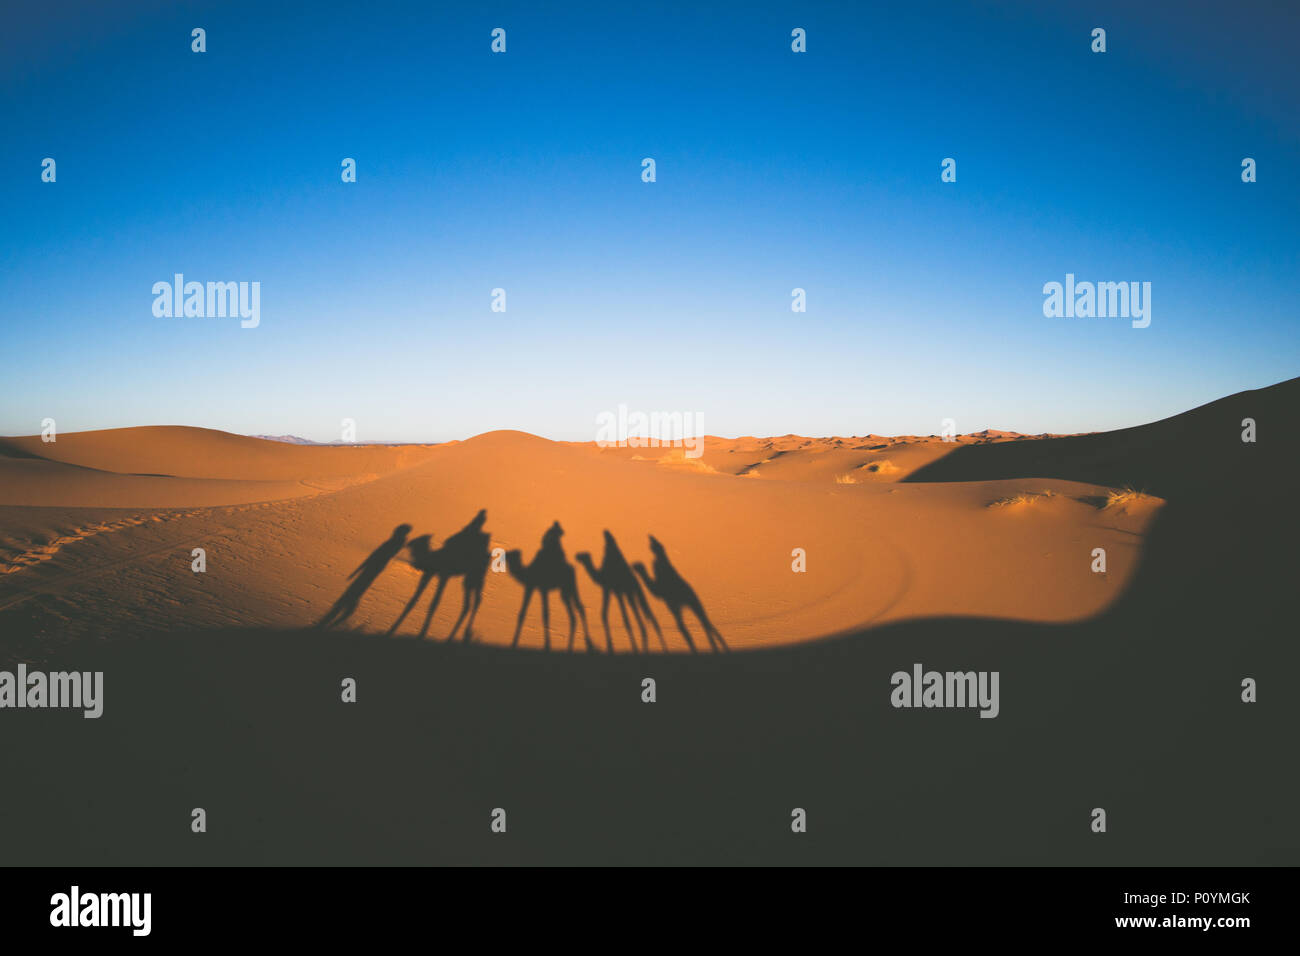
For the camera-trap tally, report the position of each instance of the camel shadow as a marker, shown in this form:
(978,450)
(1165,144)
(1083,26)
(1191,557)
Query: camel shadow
(549,571)
(671,588)
(466,555)
(364,576)
(615,578)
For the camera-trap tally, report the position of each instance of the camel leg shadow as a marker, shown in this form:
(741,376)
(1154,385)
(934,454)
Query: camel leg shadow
(433,606)
(604,619)
(627,623)
(419,589)
(681,626)
(546,621)
(640,598)
(711,632)
(519,622)
(472,593)
(571,600)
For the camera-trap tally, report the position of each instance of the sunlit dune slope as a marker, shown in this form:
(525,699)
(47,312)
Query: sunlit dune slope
(176,466)
(786,557)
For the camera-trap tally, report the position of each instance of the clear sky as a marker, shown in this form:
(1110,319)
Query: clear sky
(522,171)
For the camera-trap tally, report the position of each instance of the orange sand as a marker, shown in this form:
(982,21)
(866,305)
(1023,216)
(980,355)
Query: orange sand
(97,529)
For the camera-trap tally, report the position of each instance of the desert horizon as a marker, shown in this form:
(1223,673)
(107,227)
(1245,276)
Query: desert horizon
(919,546)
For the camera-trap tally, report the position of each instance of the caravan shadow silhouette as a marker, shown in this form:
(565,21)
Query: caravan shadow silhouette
(465,554)
(615,577)
(364,576)
(671,588)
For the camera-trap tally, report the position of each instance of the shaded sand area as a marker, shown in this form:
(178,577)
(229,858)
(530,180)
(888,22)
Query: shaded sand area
(1136,708)
(97,532)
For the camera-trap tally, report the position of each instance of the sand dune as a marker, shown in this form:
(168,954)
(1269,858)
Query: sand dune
(98,529)
(184,452)
(795,458)
(1138,704)
(176,466)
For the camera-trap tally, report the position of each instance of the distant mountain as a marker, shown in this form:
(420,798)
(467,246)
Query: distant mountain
(297,440)
(290,439)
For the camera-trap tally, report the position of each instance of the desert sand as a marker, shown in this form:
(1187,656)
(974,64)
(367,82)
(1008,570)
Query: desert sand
(1121,690)
(97,532)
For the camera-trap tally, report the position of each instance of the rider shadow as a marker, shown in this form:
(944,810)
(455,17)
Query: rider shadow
(364,576)
(671,588)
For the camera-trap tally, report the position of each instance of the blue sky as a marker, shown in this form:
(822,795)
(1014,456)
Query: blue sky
(522,171)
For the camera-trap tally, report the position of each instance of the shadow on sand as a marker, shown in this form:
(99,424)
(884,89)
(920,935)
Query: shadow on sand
(467,554)
(1138,710)
(366,573)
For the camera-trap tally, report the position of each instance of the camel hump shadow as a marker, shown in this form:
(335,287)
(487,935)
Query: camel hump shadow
(671,588)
